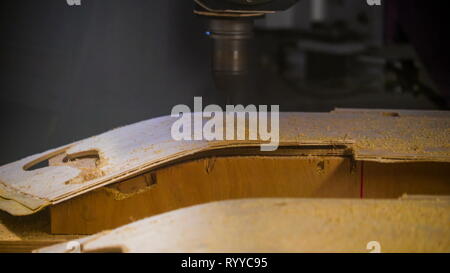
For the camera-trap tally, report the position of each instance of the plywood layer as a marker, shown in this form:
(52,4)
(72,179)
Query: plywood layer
(383,136)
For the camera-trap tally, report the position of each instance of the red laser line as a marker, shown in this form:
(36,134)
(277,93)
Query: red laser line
(361,190)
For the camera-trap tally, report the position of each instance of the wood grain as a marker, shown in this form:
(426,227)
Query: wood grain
(202,181)
(394,180)
(222,178)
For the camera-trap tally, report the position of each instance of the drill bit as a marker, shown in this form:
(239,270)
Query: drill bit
(231,58)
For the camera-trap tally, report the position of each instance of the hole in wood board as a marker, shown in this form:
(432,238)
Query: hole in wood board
(37,166)
(88,159)
(88,162)
(42,162)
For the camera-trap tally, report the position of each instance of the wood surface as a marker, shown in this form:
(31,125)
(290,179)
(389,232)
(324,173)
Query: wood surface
(222,178)
(394,180)
(26,246)
(285,225)
(123,153)
(202,181)
(27,233)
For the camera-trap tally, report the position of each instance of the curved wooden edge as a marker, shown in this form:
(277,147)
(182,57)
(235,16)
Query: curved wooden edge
(128,151)
(284,225)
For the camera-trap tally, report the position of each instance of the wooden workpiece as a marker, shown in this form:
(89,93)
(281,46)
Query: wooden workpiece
(285,225)
(221,178)
(138,171)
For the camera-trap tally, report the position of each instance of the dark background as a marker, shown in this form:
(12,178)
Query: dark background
(71,72)
(68,73)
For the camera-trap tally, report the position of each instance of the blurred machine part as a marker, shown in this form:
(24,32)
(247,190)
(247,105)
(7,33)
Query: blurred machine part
(324,49)
(231,27)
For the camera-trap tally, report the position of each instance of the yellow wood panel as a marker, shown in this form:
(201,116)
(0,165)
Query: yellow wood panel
(383,180)
(208,180)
